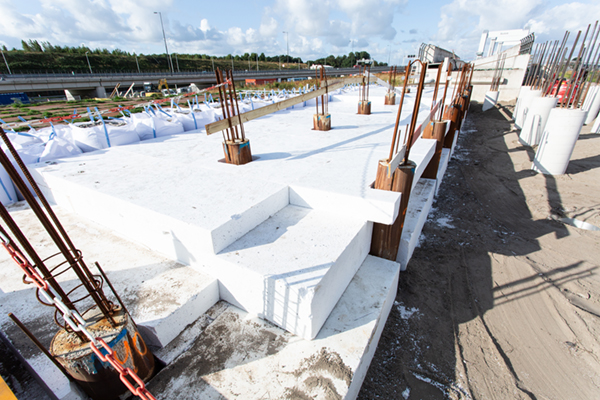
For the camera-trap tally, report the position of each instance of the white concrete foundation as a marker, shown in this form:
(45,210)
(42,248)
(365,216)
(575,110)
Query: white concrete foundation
(172,195)
(294,267)
(256,360)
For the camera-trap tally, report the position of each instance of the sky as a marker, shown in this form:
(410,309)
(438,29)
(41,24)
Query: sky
(389,30)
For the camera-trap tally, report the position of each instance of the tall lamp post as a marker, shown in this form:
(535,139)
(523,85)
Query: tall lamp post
(287,43)
(5,62)
(88,60)
(165,39)
(137,63)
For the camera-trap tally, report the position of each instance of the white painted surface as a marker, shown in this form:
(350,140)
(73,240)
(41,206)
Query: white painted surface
(535,122)
(419,205)
(558,141)
(490,100)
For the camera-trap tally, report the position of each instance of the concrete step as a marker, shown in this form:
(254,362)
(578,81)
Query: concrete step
(241,356)
(293,268)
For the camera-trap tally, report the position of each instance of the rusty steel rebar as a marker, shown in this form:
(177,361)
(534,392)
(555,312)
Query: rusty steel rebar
(415,114)
(73,259)
(395,136)
(40,346)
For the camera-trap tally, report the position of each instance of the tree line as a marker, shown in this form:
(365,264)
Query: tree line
(36,56)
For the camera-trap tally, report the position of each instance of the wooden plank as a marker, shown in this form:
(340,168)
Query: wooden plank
(282,105)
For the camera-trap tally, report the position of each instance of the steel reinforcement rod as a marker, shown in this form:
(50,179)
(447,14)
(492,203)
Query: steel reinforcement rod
(395,137)
(415,114)
(55,230)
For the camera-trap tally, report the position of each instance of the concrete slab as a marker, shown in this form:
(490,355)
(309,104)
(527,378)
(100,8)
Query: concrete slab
(421,199)
(163,296)
(239,355)
(172,195)
(293,268)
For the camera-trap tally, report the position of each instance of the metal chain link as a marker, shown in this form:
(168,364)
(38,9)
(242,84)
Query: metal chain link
(77,323)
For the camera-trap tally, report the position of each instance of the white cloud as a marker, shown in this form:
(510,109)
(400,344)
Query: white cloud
(555,21)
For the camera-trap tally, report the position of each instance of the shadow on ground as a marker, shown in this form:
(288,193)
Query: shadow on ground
(480,215)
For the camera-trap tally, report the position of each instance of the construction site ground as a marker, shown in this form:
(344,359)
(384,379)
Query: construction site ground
(500,301)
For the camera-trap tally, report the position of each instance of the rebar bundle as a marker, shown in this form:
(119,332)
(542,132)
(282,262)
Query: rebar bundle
(321,76)
(67,258)
(230,106)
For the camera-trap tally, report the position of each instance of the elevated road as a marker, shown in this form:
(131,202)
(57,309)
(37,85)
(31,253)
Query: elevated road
(82,82)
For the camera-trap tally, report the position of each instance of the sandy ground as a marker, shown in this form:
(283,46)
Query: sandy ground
(500,301)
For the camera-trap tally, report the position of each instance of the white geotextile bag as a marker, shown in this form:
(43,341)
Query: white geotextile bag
(148,126)
(193,120)
(92,136)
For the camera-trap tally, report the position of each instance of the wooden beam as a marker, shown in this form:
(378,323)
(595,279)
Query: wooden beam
(282,105)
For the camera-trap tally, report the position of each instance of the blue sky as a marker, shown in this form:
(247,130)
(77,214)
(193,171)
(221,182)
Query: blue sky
(387,29)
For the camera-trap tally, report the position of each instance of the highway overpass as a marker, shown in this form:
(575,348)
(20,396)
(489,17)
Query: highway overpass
(98,84)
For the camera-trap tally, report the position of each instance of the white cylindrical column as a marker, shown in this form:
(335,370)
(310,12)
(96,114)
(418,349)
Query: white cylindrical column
(491,98)
(558,141)
(535,122)
(596,127)
(593,104)
(522,91)
(524,106)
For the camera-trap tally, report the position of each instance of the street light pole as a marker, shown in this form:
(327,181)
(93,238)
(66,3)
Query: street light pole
(5,62)
(287,43)
(138,64)
(88,60)
(165,39)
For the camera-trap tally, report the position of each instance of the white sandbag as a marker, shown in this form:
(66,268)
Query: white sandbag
(92,136)
(8,195)
(149,126)
(193,120)
(57,147)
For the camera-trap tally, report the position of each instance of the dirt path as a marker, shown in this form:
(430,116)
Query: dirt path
(500,301)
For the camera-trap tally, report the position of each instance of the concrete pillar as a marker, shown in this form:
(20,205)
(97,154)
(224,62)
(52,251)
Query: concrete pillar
(101,92)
